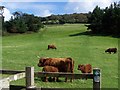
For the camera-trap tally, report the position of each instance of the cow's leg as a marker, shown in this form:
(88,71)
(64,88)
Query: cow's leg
(46,79)
(65,79)
(48,48)
(71,78)
(57,79)
(114,52)
(54,79)
(50,79)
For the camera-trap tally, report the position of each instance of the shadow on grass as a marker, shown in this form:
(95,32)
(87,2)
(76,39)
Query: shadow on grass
(49,79)
(89,33)
(16,87)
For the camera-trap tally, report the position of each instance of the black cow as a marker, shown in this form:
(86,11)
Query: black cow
(110,50)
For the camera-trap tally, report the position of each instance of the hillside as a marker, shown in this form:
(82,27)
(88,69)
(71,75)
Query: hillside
(23,50)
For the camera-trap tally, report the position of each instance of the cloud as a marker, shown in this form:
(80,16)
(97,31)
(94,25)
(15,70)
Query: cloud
(103,3)
(76,7)
(7,14)
(80,6)
(36,8)
(46,13)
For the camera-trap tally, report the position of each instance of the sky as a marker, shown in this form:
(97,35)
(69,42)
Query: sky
(45,8)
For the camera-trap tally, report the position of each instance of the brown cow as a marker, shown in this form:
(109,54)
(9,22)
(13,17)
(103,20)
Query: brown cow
(110,50)
(85,68)
(50,69)
(51,47)
(63,64)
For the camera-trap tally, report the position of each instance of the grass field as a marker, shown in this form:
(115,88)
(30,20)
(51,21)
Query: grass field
(23,50)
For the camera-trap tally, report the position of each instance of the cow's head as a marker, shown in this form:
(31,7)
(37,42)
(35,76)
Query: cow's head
(107,50)
(41,62)
(81,67)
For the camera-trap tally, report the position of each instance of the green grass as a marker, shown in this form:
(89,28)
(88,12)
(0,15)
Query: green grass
(4,75)
(22,50)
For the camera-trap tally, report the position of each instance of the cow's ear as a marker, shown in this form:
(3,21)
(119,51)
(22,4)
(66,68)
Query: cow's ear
(69,58)
(41,60)
(81,65)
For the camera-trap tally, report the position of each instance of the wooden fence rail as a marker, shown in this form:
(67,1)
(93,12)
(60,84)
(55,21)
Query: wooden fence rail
(60,74)
(11,71)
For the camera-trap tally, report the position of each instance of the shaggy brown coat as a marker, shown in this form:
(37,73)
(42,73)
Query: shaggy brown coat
(85,68)
(51,47)
(63,64)
(50,69)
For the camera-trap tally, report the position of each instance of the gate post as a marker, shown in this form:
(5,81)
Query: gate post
(29,77)
(96,79)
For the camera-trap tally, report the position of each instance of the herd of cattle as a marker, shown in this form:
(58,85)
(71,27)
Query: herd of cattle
(65,64)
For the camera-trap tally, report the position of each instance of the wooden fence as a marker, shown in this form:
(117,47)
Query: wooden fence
(96,77)
(29,75)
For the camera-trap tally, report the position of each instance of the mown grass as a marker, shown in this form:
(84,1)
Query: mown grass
(23,50)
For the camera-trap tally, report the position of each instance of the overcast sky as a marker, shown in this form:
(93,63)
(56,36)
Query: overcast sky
(47,7)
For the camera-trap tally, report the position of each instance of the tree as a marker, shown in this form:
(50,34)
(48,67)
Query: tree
(96,20)
(17,14)
(33,22)
(22,23)
(65,18)
(105,21)
(111,19)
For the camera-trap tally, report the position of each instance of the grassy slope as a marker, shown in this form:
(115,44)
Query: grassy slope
(22,50)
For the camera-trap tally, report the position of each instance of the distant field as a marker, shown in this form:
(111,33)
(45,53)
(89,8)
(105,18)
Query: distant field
(23,50)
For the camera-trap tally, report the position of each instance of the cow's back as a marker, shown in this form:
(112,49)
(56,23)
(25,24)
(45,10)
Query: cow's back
(88,68)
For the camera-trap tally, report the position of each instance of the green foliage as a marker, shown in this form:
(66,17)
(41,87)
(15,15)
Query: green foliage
(16,26)
(66,18)
(111,19)
(106,20)
(22,23)
(33,22)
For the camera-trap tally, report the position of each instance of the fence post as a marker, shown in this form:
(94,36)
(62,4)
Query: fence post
(29,77)
(4,84)
(96,79)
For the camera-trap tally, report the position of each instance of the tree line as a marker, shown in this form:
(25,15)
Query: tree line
(22,22)
(105,21)
(66,18)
